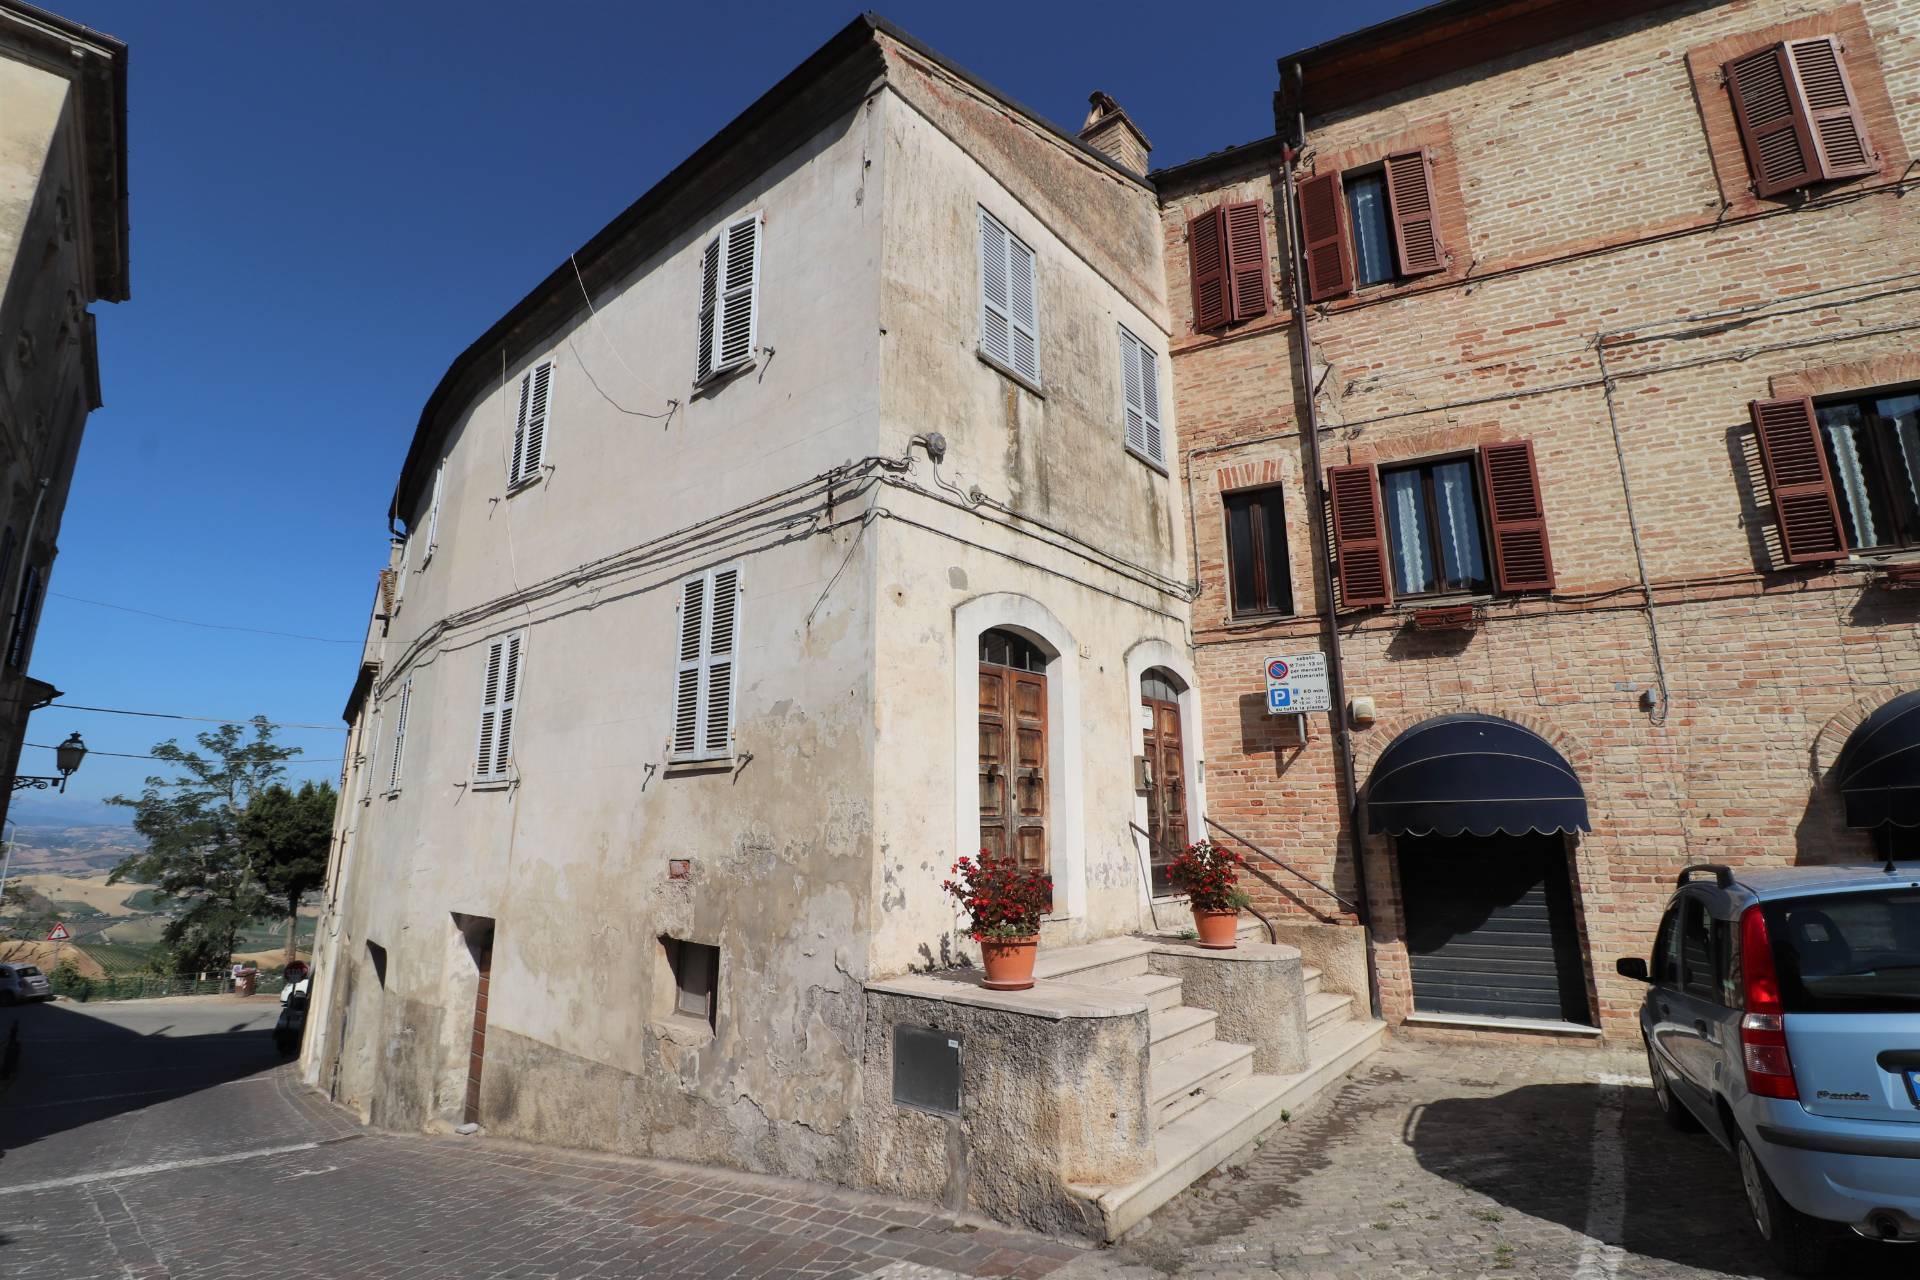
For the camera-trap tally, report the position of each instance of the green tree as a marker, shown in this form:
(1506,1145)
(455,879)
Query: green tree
(286,835)
(195,853)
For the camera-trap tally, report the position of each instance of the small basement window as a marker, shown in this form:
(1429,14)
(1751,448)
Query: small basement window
(696,980)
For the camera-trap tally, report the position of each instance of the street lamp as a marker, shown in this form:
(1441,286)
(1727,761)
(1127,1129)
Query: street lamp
(67,757)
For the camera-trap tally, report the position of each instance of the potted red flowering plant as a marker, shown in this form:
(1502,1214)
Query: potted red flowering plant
(1005,902)
(1210,877)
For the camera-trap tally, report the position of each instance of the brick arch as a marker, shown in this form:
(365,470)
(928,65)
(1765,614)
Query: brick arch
(1367,750)
(1833,735)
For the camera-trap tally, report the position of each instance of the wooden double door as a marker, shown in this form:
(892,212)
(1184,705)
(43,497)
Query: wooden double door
(1166,781)
(1013,749)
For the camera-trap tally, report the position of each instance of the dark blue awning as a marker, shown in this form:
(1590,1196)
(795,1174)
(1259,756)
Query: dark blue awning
(1879,768)
(1476,774)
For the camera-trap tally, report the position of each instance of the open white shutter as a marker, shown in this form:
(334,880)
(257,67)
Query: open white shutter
(996,329)
(370,760)
(686,677)
(539,401)
(740,291)
(433,512)
(709,307)
(487,748)
(399,734)
(515,464)
(723,603)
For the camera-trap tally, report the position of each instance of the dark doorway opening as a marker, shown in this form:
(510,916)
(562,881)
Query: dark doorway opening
(477,933)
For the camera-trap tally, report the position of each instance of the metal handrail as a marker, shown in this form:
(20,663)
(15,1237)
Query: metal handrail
(1283,866)
(1273,934)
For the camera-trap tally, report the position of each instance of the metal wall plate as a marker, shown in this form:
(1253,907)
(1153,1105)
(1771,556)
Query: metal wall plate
(926,1068)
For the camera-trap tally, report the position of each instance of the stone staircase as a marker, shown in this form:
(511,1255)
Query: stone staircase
(1208,1102)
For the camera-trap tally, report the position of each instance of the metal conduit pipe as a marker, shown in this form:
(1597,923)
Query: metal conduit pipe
(1317,498)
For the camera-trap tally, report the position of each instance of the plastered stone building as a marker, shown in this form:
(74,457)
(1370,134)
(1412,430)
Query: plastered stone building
(63,247)
(1609,310)
(809,526)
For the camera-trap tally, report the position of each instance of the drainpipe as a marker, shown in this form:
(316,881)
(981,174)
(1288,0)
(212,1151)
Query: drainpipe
(1342,736)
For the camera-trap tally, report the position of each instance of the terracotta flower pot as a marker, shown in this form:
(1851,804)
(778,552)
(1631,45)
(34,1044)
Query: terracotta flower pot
(1009,962)
(1218,930)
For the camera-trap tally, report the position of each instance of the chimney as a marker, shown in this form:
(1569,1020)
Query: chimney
(1112,133)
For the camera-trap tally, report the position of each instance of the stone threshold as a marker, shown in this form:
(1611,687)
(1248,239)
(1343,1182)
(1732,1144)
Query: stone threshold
(1469,1022)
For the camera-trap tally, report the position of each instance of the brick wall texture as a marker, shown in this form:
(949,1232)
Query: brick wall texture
(1584,200)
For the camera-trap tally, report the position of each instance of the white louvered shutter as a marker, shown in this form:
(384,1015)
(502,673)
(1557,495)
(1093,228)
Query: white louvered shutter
(509,698)
(530,429)
(709,307)
(1023,309)
(399,735)
(370,759)
(740,292)
(400,579)
(996,329)
(1141,373)
(723,607)
(686,677)
(493,754)
(433,512)
(706,664)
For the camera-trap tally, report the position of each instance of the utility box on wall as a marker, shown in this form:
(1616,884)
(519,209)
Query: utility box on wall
(926,1068)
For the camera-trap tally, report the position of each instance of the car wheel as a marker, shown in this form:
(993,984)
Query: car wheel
(1672,1110)
(1800,1244)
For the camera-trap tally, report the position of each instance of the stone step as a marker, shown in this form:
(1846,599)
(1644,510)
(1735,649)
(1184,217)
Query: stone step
(1180,1084)
(1158,990)
(1310,980)
(1326,1008)
(1197,1142)
(1094,963)
(1175,1031)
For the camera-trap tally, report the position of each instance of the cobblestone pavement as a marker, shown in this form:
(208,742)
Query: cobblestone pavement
(163,1140)
(1451,1160)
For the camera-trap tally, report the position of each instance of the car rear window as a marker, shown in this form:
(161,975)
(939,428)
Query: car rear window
(1847,953)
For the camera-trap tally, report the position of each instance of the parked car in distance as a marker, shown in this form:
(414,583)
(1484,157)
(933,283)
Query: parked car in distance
(1783,1016)
(23,982)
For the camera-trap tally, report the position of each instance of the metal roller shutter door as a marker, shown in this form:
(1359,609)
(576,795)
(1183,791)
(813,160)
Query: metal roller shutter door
(1490,927)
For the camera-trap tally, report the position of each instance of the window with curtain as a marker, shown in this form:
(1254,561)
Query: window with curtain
(1873,450)
(1372,227)
(1434,529)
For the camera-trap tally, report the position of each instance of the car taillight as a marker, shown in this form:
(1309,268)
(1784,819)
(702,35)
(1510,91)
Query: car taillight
(1763,1031)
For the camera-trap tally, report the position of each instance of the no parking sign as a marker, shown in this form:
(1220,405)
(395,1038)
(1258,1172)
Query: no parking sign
(1297,683)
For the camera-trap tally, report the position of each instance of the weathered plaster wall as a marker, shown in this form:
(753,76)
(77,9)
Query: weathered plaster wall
(1045,1101)
(571,861)
(951,569)
(1255,988)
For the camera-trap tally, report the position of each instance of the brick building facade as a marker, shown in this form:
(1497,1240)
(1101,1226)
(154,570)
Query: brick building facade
(1558,214)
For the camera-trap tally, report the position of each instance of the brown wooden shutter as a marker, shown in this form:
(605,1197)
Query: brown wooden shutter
(1416,228)
(1795,459)
(1839,130)
(1773,121)
(1323,233)
(1247,260)
(1359,536)
(1207,254)
(1522,560)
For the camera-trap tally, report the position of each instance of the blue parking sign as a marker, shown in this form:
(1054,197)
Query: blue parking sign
(1279,700)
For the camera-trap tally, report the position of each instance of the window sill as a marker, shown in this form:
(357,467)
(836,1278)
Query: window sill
(1151,462)
(715,764)
(1255,621)
(1419,604)
(1008,371)
(489,784)
(528,482)
(681,1029)
(721,377)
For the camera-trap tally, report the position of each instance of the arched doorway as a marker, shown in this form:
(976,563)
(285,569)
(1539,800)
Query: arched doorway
(1013,748)
(1165,784)
(1480,810)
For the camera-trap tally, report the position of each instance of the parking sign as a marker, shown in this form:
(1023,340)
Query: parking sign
(1297,683)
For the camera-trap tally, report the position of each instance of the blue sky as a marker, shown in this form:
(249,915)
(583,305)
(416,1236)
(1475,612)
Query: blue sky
(329,202)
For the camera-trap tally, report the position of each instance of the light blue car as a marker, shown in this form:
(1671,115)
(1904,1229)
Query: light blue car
(1783,1016)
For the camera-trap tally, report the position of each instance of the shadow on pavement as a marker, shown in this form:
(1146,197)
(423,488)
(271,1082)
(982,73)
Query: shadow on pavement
(77,1068)
(1538,1150)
